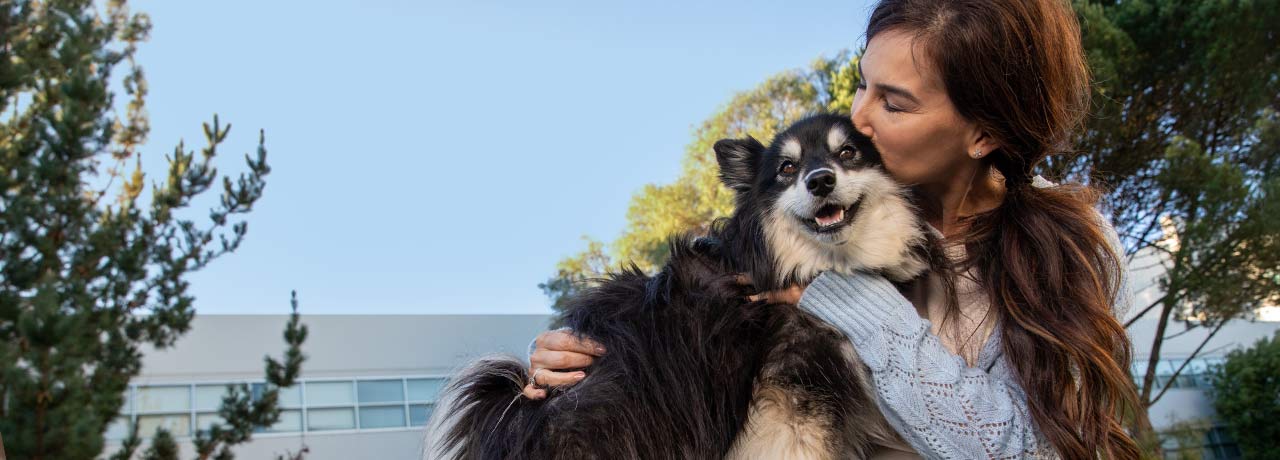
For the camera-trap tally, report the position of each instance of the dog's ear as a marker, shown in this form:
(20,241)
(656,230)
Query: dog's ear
(739,159)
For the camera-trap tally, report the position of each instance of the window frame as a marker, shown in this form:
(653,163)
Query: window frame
(129,411)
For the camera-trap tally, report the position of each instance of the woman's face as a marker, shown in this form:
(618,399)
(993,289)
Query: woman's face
(903,107)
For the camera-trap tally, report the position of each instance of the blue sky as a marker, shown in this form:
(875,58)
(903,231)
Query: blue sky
(440,157)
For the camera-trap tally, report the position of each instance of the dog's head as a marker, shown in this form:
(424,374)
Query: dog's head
(818,199)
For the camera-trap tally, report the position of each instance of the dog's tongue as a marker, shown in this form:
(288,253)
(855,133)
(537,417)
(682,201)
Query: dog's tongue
(829,215)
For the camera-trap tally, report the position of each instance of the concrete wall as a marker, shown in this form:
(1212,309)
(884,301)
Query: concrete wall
(232,346)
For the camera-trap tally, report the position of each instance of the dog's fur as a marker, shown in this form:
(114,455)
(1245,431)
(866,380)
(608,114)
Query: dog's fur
(696,371)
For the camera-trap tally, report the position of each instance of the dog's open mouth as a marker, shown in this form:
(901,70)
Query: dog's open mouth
(832,217)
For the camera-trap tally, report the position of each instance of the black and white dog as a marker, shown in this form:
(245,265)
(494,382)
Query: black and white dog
(696,371)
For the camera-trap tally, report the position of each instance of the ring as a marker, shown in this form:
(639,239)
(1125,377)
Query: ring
(533,379)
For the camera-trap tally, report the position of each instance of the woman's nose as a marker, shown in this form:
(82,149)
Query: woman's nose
(858,114)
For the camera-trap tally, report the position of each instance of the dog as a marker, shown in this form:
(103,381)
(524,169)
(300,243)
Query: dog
(696,370)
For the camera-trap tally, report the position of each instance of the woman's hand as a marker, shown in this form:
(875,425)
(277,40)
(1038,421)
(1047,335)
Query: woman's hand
(789,295)
(558,350)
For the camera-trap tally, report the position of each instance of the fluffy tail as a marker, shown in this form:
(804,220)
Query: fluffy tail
(483,415)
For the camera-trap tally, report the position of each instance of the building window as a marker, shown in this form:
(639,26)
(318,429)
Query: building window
(177,425)
(381,403)
(290,409)
(167,407)
(330,405)
(422,398)
(381,391)
(419,414)
(330,393)
(313,405)
(1220,445)
(119,428)
(331,419)
(1198,373)
(1216,444)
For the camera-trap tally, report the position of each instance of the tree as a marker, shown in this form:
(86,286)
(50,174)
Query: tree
(162,447)
(241,411)
(1247,397)
(1184,136)
(89,267)
(1189,438)
(575,272)
(697,197)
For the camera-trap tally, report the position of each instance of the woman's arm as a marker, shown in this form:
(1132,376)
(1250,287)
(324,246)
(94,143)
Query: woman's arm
(942,407)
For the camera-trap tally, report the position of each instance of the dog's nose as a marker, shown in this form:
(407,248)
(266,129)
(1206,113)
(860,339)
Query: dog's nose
(821,182)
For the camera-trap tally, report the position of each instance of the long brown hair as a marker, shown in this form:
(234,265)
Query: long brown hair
(1017,69)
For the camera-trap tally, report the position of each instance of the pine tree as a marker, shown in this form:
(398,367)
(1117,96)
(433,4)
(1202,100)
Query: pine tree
(241,411)
(162,447)
(1185,133)
(93,263)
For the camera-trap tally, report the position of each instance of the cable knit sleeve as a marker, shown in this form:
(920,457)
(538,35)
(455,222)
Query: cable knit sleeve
(939,405)
(942,407)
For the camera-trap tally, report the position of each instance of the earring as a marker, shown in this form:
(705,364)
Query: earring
(977,153)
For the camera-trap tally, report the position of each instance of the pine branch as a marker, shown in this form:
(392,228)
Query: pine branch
(1148,308)
(241,412)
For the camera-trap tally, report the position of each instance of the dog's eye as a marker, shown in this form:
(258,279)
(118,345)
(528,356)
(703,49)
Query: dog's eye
(848,153)
(787,168)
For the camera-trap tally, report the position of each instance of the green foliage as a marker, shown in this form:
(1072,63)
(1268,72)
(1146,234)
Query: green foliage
(696,198)
(575,272)
(128,445)
(89,269)
(1247,397)
(241,411)
(1188,436)
(1185,134)
(162,447)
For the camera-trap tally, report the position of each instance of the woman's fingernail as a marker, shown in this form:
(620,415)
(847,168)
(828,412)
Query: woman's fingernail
(579,375)
(600,349)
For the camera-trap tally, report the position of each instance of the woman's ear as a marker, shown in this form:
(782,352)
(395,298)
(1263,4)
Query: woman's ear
(982,145)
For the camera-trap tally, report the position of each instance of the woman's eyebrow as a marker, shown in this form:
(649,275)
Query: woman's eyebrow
(891,89)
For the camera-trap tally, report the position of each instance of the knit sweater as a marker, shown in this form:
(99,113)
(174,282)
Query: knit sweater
(942,407)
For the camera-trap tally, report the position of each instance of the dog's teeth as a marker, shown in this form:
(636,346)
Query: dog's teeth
(834,219)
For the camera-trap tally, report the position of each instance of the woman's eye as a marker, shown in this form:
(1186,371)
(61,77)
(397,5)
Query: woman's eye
(891,109)
(787,168)
(847,153)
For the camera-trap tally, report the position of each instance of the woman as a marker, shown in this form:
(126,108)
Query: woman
(963,98)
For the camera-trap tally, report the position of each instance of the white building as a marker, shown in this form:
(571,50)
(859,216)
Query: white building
(367,385)
(1187,398)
